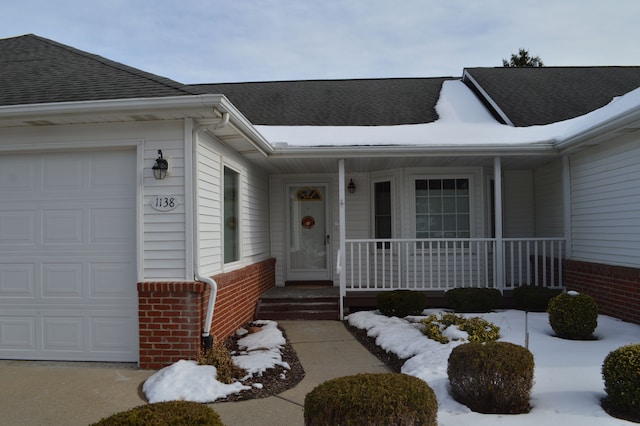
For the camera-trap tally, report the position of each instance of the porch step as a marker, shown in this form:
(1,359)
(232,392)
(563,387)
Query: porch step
(299,304)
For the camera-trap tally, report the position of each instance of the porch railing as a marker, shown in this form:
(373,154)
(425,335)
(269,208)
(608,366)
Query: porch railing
(443,264)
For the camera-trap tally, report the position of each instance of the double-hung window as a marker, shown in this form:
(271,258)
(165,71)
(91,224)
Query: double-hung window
(442,208)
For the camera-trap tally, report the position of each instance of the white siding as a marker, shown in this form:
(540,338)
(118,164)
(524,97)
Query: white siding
(164,231)
(605,184)
(519,207)
(212,156)
(161,234)
(548,200)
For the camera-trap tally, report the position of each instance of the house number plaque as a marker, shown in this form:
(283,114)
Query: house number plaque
(164,203)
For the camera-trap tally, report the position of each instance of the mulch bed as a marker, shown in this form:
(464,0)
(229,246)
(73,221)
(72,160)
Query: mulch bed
(274,380)
(279,379)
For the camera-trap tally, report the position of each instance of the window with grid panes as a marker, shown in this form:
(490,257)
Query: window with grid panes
(442,208)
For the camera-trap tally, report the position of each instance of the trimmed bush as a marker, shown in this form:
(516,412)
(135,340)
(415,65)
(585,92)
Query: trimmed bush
(478,329)
(220,357)
(534,298)
(400,303)
(621,374)
(573,316)
(170,413)
(491,378)
(372,400)
(472,299)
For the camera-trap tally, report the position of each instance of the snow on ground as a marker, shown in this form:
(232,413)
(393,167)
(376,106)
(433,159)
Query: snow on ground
(186,380)
(568,381)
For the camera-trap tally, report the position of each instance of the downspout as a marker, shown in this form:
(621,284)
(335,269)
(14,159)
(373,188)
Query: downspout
(207,339)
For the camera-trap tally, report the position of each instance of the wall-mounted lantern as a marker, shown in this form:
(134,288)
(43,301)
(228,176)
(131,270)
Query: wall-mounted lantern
(161,167)
(351,187)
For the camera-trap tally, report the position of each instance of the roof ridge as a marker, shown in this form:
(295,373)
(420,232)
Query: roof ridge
(116,65)
(320,80)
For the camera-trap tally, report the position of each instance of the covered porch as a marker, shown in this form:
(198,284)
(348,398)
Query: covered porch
(366,266)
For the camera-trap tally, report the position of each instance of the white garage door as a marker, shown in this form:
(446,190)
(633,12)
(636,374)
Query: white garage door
(67,256)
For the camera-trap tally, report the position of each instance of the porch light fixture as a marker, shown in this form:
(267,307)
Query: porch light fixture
(351,187)
(161,167)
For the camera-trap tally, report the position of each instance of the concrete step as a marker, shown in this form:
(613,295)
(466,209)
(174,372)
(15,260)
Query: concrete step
(319,308)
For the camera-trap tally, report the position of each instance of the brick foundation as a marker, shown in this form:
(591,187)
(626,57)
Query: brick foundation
(172,314)
(615,288)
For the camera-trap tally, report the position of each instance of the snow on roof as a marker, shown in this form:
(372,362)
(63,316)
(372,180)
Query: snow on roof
(463,121)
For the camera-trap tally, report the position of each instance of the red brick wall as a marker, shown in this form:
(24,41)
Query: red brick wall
(615,288)
(238,293)
(172,314)
(171,317)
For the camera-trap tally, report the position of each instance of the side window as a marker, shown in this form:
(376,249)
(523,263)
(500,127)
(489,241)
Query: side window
(382,209)
(382,218)
(230,206)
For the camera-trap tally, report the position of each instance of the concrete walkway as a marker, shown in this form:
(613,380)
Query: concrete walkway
(41,393)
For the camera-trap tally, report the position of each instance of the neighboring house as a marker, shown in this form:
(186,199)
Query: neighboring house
(501,178)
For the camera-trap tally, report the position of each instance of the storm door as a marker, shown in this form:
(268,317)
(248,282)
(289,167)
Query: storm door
(308,240)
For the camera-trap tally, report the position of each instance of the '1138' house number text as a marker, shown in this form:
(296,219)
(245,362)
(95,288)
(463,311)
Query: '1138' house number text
(164,203)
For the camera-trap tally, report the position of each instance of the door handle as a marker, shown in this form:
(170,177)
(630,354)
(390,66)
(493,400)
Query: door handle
(327,240)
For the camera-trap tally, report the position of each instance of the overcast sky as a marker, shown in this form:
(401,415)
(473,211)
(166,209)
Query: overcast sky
(213,41)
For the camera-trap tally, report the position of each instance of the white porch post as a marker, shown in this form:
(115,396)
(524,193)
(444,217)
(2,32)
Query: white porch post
(566,204)
(497,185)
(342,236)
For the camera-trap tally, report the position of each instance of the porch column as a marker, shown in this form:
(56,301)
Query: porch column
(566,204)
(497,185)
(342,236)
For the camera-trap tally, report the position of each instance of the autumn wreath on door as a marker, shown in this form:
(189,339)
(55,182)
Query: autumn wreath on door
(308,222)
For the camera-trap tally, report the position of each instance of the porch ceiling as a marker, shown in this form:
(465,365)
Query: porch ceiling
(364,163)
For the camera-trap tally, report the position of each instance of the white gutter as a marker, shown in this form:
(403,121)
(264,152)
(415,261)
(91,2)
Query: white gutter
(537,148)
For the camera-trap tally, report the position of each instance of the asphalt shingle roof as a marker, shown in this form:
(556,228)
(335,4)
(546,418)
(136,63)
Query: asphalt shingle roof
(532,96)
(364,102)
(37,70)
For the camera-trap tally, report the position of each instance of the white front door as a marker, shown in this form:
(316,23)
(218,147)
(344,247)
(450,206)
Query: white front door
(308,239)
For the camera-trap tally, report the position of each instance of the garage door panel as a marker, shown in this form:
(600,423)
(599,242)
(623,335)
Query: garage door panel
(63,172)
(107,226)
(17,280)
(17,227)
(106,334)
(17,174)
(103,179)
(111,280)
(62,226)
(62,280)
(68,256)
(18,332)
(62,333)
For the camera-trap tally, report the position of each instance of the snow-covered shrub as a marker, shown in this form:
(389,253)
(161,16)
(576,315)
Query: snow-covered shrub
(472,299)
(492,377)
(573,315)
(475,329)
(621,373)
(220,357)
(400,303)
(534,298)
(372,399)
(165,413)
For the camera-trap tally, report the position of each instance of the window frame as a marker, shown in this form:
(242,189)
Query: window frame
(392,206)
(237,218)
(442,177)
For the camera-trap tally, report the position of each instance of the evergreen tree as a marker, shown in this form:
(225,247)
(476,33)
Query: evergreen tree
(523,59)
